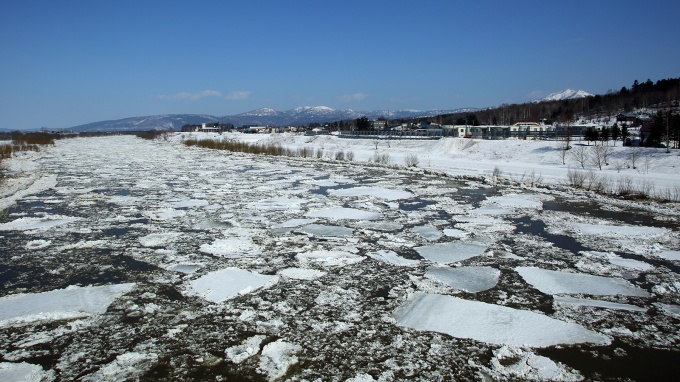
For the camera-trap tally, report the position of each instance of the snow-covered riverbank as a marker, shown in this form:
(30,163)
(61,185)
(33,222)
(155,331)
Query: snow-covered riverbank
(651,169)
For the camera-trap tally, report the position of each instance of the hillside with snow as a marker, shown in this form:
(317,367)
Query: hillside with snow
(302,115)
(565,94)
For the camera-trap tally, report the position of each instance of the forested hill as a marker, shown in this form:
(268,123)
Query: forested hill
(653,96)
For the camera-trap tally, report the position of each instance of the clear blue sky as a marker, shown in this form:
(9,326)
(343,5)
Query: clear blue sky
(65,63)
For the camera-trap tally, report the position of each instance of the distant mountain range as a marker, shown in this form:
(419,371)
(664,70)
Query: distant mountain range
(260,117)
(303,115)
(565,94)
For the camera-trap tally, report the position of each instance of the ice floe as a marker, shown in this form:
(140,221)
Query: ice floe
(342,213)
(293,223)
(520,201)
(38,244)
(669,255)
(376,192)
(326,230)
(490,323)
(245,350)
(61,304)
(232,247)
(127,366)
(184,268)
(330,258)
(617,230)
(566,300)
(427,232)
(393,258)
(158,239)
(22,371)
(454,232)
(468,279)
(277,357)
(517,363)
(37,223)
(451,252)
(301,273)
(223,284)
(557,282)
(279,204)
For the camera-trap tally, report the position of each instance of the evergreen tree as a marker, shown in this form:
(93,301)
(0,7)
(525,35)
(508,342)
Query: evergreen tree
(605,135)
(616,132)
(591,135)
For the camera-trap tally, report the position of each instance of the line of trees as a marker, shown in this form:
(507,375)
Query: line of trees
(660,95)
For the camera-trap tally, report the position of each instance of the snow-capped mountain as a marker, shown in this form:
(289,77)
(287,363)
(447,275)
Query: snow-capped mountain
(566,94)
(264,116)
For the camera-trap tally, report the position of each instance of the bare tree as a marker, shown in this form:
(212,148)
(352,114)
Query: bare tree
(563,149)
(634,155)
(411,160)
(580,155)
(600,156)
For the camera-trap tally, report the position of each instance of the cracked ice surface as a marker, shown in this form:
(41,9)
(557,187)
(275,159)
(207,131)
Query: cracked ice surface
(247,267)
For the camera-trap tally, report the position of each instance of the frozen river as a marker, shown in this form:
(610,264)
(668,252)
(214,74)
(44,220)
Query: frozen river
(152,260)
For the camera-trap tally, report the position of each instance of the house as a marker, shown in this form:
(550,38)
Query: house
(379,124)
(457,131)
(214,128)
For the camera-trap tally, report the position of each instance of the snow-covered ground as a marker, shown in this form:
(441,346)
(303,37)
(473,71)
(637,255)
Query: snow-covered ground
(521,160)
(123,258)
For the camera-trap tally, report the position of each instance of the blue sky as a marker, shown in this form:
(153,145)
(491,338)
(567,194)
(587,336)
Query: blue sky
(65,63)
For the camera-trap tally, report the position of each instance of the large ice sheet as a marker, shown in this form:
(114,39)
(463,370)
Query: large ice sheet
(326,230)
(231,247)
(393,258)
(22,371)
(669,255)
(279,204)
(517,201)
(557,282)
(490,323)
(61,304)
(445,253)
(618,230)
(342,213)
(226,283)
(35,223)
(329,258)
(468,279)
(301,273)
(376,192)
(566,300)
